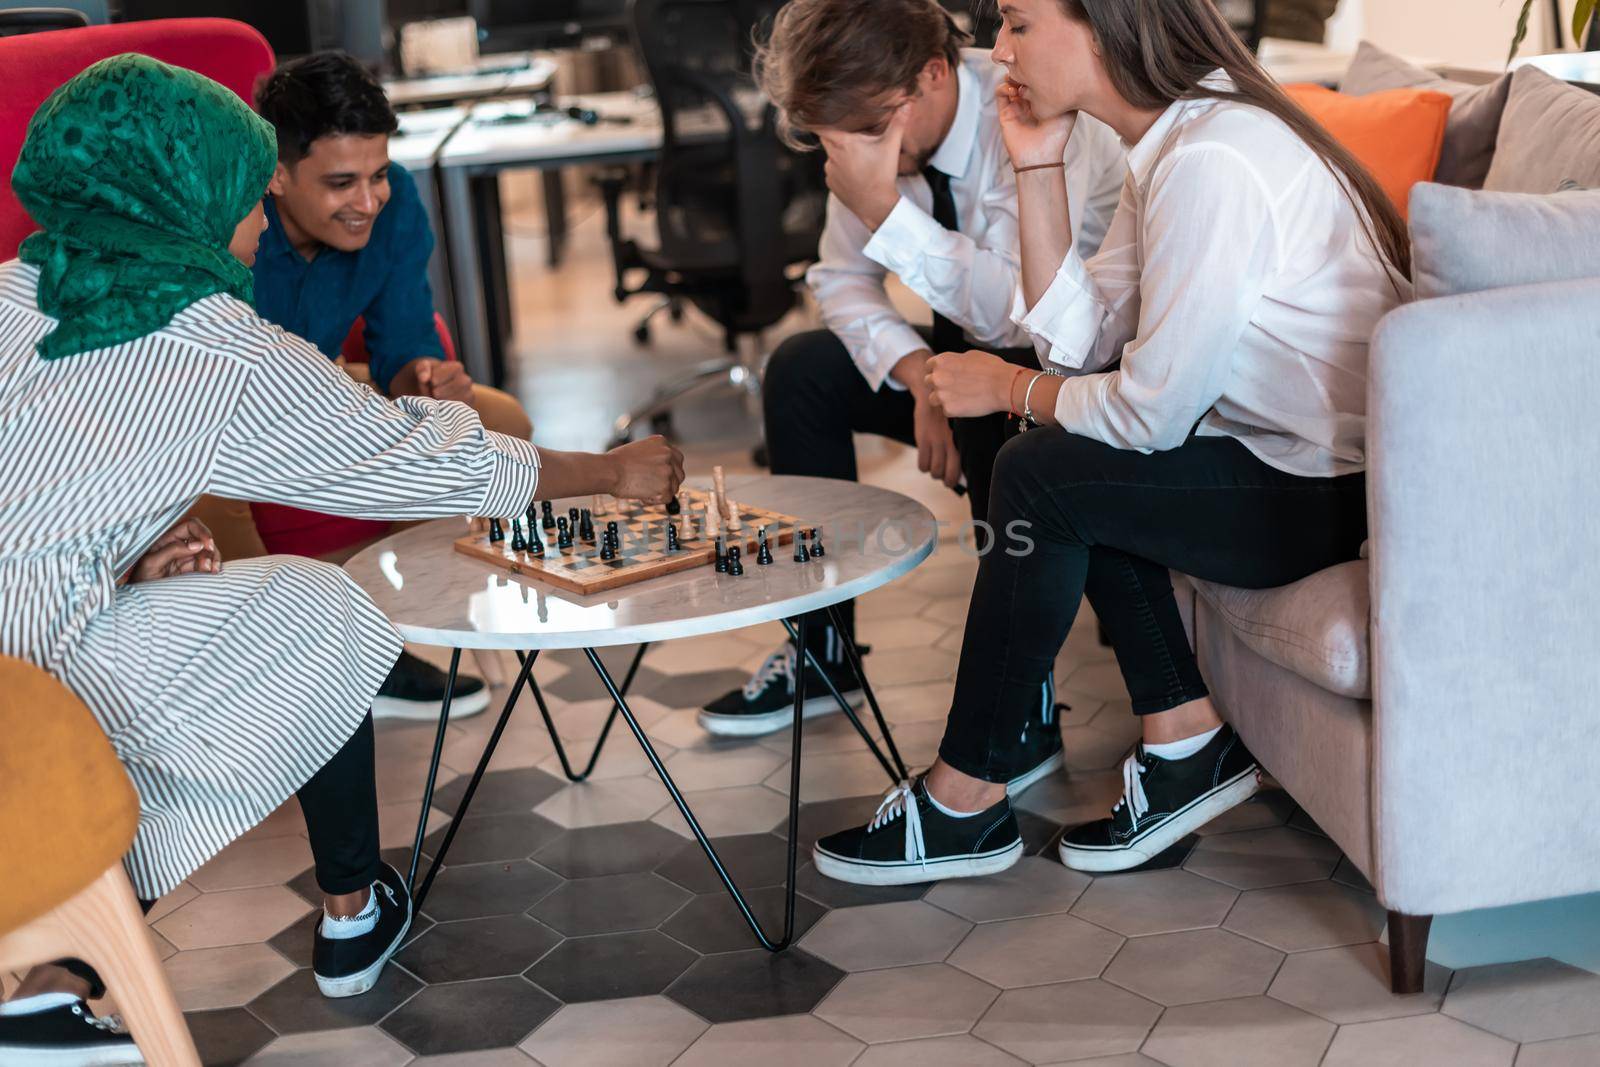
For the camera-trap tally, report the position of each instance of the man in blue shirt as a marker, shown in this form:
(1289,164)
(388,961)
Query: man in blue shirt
(348,238)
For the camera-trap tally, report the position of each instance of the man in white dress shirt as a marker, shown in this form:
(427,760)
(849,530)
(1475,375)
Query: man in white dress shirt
(921,187)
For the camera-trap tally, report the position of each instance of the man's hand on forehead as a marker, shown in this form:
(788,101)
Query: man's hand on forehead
(862,167)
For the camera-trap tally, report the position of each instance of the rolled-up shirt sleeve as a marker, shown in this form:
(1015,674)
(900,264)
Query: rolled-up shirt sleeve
(306,435)
(1205,273)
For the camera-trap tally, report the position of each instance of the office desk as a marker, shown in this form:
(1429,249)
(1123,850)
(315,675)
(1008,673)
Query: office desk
(415,146)
(491,140)
(535,77)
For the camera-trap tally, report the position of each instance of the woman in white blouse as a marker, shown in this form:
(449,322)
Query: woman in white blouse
(1205,405)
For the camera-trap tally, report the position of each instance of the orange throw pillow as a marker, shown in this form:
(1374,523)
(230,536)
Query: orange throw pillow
(1397,134)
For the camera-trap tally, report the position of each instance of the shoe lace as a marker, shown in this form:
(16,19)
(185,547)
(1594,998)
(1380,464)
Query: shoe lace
(109,1023)
(781,664)
(901,800)
(1133,769)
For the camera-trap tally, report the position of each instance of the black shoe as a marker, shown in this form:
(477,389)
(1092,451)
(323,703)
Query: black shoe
(1163,802)
(1040,744)
(350,966)
(766,703)
(415,689)
(68,1035)
(920,844)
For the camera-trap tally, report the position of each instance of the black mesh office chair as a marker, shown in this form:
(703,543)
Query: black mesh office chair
(737,213)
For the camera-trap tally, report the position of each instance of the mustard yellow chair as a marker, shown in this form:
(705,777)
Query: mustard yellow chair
(67,815)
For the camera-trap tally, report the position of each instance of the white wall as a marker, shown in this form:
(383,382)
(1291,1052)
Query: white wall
(1473,33)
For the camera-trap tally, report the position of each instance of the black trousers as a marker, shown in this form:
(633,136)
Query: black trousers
(815,398)
(340,805)
(1076,517)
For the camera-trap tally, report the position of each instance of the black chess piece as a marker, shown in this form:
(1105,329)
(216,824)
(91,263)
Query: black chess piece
(608,547)
(532,515)
(673,507)
(496,533)
(735,565)
(722,556)
(763,550)
(816,544)
(801,553)
(563,533)
(547,516)
(572,521)
(535,543)
(672,537)
(586,525)
(517,543)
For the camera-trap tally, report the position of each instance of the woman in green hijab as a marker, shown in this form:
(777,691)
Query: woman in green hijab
(135,376)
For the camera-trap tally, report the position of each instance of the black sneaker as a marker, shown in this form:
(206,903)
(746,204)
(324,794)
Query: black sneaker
(415,689)
(350,966)
(1040,744)
(920,843)
(68,1035)
(1164,801)
(765,704)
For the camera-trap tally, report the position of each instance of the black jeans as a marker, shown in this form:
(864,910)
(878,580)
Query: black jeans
(1076,517)
(340,805)
(815,398)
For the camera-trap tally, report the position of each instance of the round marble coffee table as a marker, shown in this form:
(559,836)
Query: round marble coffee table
(434,595)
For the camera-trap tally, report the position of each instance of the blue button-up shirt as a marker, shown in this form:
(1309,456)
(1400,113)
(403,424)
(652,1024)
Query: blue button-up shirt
(386,284)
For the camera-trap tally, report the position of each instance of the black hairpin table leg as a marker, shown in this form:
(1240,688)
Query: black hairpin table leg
(433,767)
(897,770)
(739,900)
(854,654)
(605,731)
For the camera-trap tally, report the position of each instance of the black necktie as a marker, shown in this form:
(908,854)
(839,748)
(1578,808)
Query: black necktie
(946,334)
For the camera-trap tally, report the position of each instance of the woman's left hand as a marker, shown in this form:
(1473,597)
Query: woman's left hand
(187,548)
(969,384)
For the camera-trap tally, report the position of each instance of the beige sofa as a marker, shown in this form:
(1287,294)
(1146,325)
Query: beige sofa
(1433,707)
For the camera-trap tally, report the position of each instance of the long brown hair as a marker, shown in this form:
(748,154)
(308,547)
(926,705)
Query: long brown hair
(1157,51)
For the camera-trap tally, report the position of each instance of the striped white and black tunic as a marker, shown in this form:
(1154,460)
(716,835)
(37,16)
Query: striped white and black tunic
(221,693)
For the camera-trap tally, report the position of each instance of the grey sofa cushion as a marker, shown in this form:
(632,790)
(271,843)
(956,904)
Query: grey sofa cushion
(1465,242)
(1316,627)
(1549,133)
(1469,136)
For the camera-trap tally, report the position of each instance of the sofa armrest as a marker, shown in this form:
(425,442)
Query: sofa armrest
(1484,500)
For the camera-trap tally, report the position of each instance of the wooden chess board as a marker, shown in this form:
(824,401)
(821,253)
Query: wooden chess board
(642,552)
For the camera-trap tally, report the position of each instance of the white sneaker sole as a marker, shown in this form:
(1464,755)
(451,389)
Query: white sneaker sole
(353,985)
(1200,811)
(1048,767)
(773,721)
(859,872)
(37,1056)
(461,707)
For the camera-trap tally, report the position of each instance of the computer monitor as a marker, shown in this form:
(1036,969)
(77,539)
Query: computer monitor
(517,25)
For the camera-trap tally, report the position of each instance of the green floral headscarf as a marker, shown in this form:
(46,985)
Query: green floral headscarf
(138,173)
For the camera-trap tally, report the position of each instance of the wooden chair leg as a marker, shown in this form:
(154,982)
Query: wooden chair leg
(108,932)
(1408,951)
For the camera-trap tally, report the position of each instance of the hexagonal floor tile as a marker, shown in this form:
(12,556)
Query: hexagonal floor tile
(960,1051)
(909,666)
(496,947)
(1565,1052)
(464,1016)
(1247,1032)
(1535,1000)
(619,848)
(636,1032)
(1155,902)
(609,966)
(1034,886)
(1349,874)
(1071,799)
(885,935)
(295,1005)
(1256,859)
(834,775)
(499,792)
(746,765)
(359,1047)
(711,922)
(1350,984)
(754,984)
(1270,807)
(495,838)
(1297,918)
(836,894)
(927,702)
(479,890)
(257,862)
(931,1000)
(598,803)
(1101,745)
(612,904)
(227,977)
(1194,966)
(744,809)
(229,1036)
(583,684)
(1045,948)
(691,690)
(754,860)
(1418,1039)
(1088,1018)
(232,917)
(797,1041)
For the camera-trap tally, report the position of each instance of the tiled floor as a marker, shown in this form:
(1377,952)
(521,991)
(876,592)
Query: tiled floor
(578,925)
